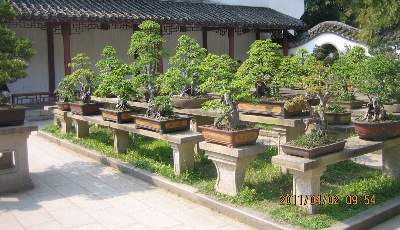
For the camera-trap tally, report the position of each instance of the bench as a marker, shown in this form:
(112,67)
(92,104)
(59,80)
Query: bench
(182,143)
(307,172)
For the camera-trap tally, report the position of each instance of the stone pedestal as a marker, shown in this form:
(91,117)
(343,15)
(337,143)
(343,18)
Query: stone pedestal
(183,156)
(231,164)
(305,185)
(81,128)
(14,168)
(391,161)
(121,140)
(61,118)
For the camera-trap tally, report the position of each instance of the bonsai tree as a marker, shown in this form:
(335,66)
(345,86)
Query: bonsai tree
(112,73)
(14,52)
(221,78)
(66,90)
(184,77)
(262,67)
(160,108)
(146,46)
(378,78)
(342,72)
(294,69)
(85,79)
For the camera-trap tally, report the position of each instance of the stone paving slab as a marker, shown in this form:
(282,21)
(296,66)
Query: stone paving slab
(72,165)
(75,192)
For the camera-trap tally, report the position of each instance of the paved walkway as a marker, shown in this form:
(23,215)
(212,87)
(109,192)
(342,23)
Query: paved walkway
(75,192)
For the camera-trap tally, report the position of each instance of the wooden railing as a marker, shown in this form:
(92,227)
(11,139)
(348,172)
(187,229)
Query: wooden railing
(34,99)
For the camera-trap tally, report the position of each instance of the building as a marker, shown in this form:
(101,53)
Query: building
(62,29)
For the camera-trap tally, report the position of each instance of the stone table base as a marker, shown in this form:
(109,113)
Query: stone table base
(231,164)
(14,168)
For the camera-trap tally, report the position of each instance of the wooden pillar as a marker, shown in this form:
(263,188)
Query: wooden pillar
(285,45)
(50,57)
(231,36)
(258,36)
(205,38)
(160,67)
(66,33)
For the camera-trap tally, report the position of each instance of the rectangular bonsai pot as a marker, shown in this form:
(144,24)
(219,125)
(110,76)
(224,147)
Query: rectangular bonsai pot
(63,106)
(230,138)
(271,108)
(313,152)
(118,116)
(12,116)
(162,126)
(86,109)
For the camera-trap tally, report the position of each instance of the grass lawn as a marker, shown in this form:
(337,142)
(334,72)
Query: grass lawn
(264,184)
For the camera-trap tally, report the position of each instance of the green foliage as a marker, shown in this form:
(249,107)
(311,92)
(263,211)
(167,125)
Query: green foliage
(82,77)
(161,108)
(113,72)
(67,89)
(221,78)
(146,46)
(262,66)
(379,76)
(335,108)
(313,139)
(14,51)
(342,72)
(185,75)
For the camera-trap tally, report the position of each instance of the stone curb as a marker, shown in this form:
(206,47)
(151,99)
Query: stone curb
(362,220)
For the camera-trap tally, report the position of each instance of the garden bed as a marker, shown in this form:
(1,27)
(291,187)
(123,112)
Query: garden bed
(264,184)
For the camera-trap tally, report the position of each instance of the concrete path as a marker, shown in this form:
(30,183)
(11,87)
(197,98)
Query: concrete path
(75,192)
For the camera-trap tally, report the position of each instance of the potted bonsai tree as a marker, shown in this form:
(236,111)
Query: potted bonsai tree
(378,79)
(160,117)
(223,80)
(182,80)
(86,81)
(317,141)
(146,46)
(67,92)
(342,72)
(14,54)
(264,67)
(112,73)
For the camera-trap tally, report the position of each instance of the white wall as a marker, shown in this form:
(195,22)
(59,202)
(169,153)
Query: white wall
(37,79)
(328,38)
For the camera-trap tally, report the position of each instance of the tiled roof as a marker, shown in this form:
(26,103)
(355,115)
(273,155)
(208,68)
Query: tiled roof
(338,28)
(167,12)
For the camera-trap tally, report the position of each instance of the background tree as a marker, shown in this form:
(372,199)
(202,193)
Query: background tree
(112,73)
(14,51)
(185,75)
(262,66)
(146,45)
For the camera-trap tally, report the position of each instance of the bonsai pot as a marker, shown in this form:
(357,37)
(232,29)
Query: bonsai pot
(350,104)
(86,109)
(162,126)
(272,108)
(230,138)
(12,116)
(338,118)
(377,131)
(188,103)
(118,116)
(313,152)
(64,106)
